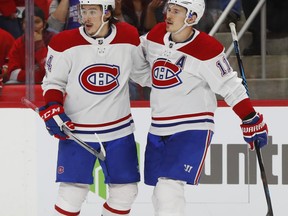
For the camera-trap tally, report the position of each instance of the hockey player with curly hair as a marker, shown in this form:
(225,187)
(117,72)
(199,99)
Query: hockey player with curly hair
(86,89)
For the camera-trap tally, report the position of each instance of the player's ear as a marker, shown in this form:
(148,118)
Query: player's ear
(107,15)
(192,18)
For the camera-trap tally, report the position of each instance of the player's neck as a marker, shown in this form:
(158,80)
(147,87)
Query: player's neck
(183,36)
(105,32)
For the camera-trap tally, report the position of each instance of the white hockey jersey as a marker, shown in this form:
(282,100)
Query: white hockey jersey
(93,74)
(185,78)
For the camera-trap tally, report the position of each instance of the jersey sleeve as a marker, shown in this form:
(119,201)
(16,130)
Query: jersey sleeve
(223,80)
(141,72)
(57,69)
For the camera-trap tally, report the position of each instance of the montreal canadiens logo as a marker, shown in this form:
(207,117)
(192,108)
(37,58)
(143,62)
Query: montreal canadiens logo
(99,78)
(165,74)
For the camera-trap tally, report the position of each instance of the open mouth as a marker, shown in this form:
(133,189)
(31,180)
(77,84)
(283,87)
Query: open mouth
(88,25)
(168,22)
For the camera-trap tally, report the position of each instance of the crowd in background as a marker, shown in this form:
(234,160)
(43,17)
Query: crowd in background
(54,16)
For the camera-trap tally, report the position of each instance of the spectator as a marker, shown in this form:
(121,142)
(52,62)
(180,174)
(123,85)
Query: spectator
(16,65)
(214,8)
(11,11)
(234,14)
(63,15)
(160,13)
(8,18)
(140,13)
(6,42)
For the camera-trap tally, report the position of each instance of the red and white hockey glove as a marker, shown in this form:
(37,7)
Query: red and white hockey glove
(54,116)
(254,129)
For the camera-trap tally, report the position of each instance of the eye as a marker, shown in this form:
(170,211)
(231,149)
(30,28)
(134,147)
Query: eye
(37,21)
(93,12)
(83,12)
(176,11)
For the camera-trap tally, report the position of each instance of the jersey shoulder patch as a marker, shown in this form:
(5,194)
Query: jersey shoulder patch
(157,33)
(203,47)
(126,33)
(67,39)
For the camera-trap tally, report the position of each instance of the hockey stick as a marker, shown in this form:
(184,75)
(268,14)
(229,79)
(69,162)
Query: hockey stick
(258,151)
(100,155)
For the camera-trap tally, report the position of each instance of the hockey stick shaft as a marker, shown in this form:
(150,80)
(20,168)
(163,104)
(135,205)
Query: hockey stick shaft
(264,180)
(258,151)
(239,60)
(66,130)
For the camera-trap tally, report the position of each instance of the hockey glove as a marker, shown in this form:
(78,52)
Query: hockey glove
(55,118)
(254,129)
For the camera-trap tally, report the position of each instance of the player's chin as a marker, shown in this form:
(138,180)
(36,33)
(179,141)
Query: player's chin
(169,28)
(89,30)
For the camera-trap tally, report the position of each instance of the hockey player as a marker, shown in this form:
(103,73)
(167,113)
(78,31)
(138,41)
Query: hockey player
(188,69)
(86,88)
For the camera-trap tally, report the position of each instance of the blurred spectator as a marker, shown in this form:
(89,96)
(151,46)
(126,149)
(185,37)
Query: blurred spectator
(6,42)
(235,13)
(140,13)
(16,65)
(63,15)
(43,5)
(9,18)
(277,17)
(160,12)
(213,11)
(11,12)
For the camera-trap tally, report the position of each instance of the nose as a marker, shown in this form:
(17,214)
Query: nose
(169,14)
(85,19)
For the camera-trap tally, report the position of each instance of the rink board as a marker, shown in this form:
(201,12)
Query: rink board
(230,183)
